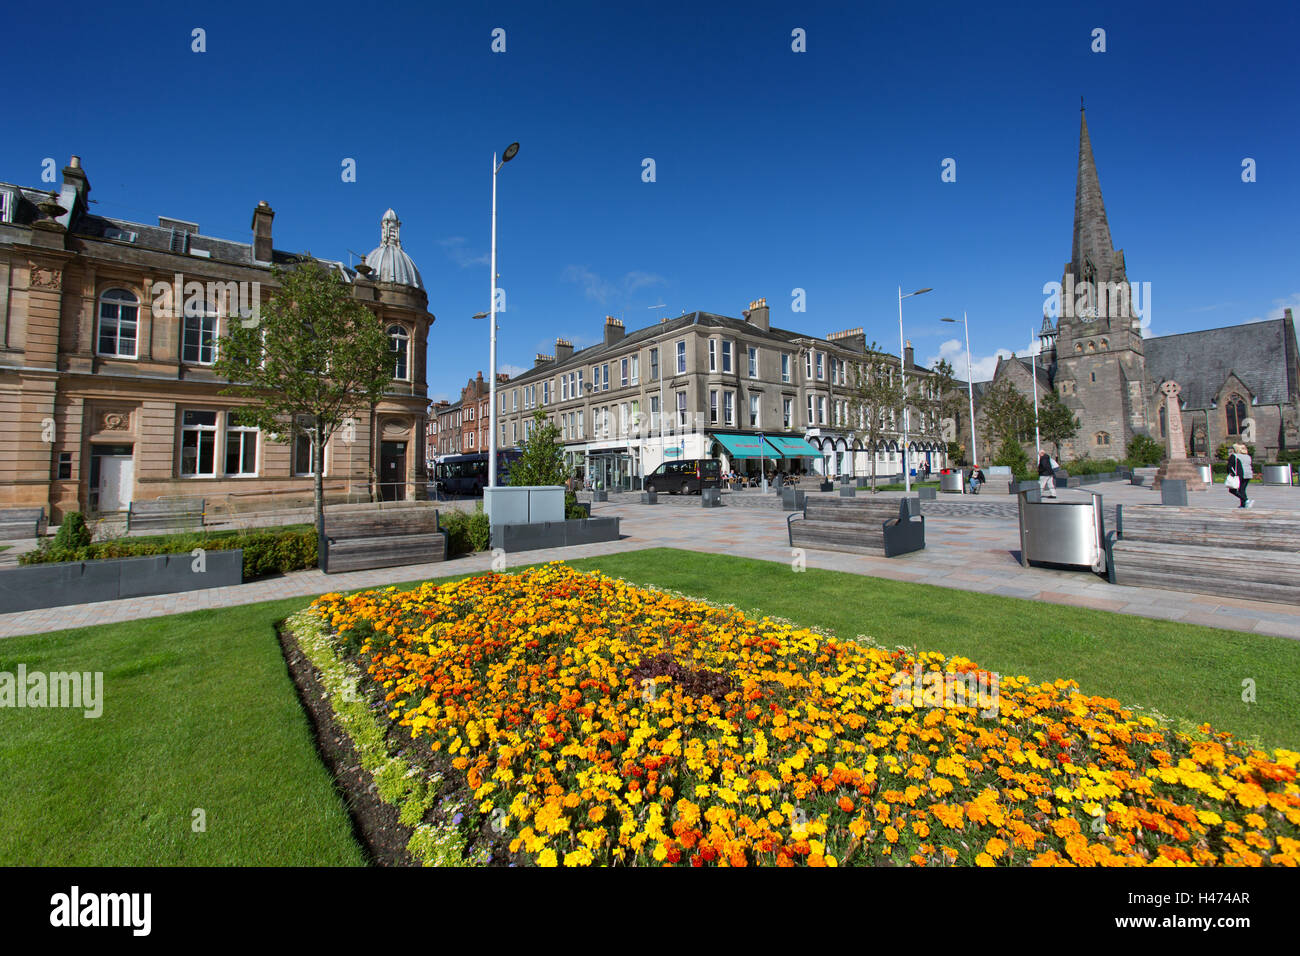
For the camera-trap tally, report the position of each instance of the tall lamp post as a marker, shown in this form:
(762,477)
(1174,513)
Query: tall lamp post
(508,155)
(970,386)
(902,371)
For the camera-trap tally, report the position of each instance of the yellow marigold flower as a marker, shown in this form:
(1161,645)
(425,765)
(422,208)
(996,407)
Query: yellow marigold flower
(546,858)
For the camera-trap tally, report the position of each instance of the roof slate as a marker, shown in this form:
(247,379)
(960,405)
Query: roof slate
(1201,362)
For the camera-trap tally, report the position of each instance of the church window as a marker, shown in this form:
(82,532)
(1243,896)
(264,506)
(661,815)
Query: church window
(1105,343)
(1092,346)
(1163,422)
(1094,376)
(1078,346)
(1236,412)
(1103,439)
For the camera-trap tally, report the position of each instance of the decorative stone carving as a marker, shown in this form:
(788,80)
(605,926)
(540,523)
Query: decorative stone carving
(44,278)
(117,421)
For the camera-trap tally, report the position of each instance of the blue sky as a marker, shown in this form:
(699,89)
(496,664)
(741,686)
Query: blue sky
(775,170)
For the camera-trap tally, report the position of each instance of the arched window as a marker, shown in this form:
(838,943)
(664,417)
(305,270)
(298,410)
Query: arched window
(1103,439)
(119,315)
(399,345)
(1164,422)
(1236,412)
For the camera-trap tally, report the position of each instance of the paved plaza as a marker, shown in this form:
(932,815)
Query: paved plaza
(972,544)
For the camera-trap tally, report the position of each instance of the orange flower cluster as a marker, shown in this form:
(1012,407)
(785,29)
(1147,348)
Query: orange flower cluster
(604,723)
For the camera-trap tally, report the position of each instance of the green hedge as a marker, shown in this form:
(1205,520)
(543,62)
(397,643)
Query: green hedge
(466,532)
(266,551)
(1092,466)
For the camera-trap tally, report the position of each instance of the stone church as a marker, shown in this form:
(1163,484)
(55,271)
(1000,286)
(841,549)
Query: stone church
(1239,383)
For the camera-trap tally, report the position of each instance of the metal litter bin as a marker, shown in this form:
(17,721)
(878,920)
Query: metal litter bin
(1061,532)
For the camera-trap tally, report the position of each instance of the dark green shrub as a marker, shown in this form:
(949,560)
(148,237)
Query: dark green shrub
(73,532)
(1012,455)
(1091,466)
(571,507)
(1144,451)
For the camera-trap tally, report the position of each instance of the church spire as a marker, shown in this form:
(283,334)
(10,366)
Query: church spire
(1092,243)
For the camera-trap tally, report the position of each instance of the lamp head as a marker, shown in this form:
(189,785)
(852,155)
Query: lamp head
(510,152)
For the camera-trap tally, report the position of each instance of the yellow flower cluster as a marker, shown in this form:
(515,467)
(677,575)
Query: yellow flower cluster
(604,723)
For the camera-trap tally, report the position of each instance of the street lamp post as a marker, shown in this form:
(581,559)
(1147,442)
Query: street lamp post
(902,371)
(970,387)
(508,155)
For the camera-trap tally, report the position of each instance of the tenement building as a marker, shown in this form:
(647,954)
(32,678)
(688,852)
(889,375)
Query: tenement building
(688,387)
(107,389)
(1238,383)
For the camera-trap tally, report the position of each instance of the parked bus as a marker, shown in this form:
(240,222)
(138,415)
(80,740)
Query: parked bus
(468,474)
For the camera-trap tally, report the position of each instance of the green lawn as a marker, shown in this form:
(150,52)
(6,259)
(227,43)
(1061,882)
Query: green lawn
(200,712)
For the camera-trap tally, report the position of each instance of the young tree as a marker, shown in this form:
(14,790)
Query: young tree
(1008,417)
(542,461)
(315,357)
(1056,423)
(875,398)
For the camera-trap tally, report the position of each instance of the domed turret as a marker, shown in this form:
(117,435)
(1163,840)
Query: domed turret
(389,260)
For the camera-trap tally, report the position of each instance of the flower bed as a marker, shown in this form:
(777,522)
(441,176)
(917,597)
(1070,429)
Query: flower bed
(601,723)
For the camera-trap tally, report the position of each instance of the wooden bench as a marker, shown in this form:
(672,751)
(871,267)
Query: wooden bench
(1251,554)
(166,514)
(18,523)
(889,526)
(358,540)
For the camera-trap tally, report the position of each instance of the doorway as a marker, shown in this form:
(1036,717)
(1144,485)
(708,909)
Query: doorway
(112,478)
(392,471)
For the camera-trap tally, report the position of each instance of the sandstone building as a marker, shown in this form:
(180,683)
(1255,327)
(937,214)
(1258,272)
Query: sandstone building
(107,398)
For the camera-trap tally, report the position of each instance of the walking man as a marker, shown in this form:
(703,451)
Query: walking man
(1047,475)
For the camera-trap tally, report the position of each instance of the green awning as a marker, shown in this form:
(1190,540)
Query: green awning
(745,446)
(789,447)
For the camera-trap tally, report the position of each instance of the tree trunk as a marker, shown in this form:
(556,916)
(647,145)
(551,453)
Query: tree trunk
(873,472)
(318,488)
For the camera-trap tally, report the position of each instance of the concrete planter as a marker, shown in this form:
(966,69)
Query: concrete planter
(792,500)
(34,586)
(649,497)
(554,534)
(848,491)
(600,496)
(927,494)
(827,486)
(711,498)
(1277,474)
(1137,480)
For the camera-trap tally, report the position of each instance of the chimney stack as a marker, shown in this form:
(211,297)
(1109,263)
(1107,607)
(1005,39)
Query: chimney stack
(614,330)
(758,315)
(855,339)
(908,358)
(542,359)
(563,350)
(262,217)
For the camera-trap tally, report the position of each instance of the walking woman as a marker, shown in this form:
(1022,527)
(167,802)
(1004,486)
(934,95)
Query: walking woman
(1240,471)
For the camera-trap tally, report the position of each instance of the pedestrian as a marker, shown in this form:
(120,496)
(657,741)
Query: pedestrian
(1240,471)
(1047,475)
(976,479)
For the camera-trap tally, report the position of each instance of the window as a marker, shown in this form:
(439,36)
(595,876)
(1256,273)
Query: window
(681,358)
(514,433)
(623,373)
(1163,421)
(399,344)
(753,362)
(1236,413)
(636,369)
(812,407)
(65,465)
(787,413)
(241,450)
(681,408)
(119,314)
(198,444)
(753,410)
(199,334)
(604,377)
(303,442)
(713,355)
(564,388)
(726,356)
(654,364)
(807,364)
(713,406)
(821,409)
(1094,376)
(654,411)
(785,366)
(514,399)
(469,440)
(821,368)
(1103,439)
(729,407)
(579,392)
(636,418)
